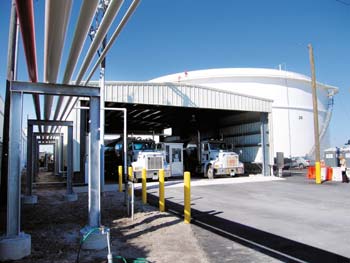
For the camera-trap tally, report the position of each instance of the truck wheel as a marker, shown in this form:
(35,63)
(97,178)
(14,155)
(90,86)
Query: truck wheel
(210,172)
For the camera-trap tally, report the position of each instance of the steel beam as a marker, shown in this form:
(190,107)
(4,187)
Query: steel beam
(94,178)
(54,89)
(48,134)
(49,142)
(50,123)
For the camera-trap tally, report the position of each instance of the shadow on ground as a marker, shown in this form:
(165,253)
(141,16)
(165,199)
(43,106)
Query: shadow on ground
(278,247)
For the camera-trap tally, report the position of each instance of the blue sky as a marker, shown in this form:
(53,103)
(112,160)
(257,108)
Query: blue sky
(167,36)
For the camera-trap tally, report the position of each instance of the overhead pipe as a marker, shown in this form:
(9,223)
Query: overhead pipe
(101,32)
(106,23)
(116,33)
(86,15)
(57,15)
(25,12)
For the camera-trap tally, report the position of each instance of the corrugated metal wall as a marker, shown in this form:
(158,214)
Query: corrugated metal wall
(245,137)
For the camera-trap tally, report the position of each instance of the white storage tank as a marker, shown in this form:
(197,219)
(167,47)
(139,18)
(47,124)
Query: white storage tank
(292,110)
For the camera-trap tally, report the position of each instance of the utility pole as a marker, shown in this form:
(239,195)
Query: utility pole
(315,110)
(102,115)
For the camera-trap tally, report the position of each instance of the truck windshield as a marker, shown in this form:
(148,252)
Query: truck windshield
(218,146)
(143,146)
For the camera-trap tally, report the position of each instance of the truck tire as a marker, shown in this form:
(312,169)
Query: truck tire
(210,172)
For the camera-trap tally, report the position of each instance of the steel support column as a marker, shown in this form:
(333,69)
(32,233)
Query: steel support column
(56,158)
(264,144)
(29,174)
(35,158)
(16,244)
(61,155)
(29,198)
(70,161)
(82,142)
(70,195)
(14,166)
(94,179)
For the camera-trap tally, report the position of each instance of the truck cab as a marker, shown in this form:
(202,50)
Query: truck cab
(142,154)
(217,159)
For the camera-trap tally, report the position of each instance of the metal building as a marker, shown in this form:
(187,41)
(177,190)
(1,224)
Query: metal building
(243,120)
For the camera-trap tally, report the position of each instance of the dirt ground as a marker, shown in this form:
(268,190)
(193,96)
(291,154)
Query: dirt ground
(54,226)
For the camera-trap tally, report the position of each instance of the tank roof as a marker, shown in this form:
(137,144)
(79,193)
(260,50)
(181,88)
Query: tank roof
(237,72)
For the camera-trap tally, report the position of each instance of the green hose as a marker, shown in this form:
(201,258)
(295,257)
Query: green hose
(134,260)
(124,260)
(88,234)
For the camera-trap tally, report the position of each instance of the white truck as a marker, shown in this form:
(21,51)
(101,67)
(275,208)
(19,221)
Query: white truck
(216,159)
(142,154)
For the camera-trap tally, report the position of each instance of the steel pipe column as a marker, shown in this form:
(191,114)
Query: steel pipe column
(29,198)
(98,239)
(29,173)
(61,155)
(56,158)
(264,144)
(70,195)
(95,179)
(82,142)
(35,158)
(102,123)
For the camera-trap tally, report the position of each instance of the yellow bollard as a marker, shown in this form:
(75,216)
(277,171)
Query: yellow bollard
(144,186)
(187,197)
(318,172)
(130,176)
(161,191)
(120,178)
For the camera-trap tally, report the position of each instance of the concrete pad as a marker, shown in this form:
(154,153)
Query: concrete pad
(29,199)
(94,239)
(14,248)
(215,181)
(71,197)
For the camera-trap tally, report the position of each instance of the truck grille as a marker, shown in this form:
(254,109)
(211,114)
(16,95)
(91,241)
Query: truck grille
(231,161)
(154,163)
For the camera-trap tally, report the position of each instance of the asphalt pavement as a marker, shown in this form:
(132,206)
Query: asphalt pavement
(254,219)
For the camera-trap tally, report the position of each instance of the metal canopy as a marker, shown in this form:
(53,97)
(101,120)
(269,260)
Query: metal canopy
(183,95)
(146,119)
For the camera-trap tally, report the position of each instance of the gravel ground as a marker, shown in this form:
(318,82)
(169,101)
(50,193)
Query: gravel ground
(54,227)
